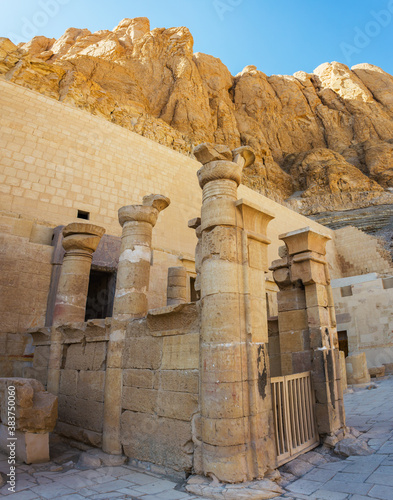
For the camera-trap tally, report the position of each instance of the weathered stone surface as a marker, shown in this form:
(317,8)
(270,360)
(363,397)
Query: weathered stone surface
(156,439)
(297,467)
(378,371)
(179,380)
(81,413)
(139,378)
(92,459)
(68,382)
(357,372)
(87,436)
(181,352)
(143,353)
(89,357)
(35,409)
(87,461)
(177,405)
(91,385)
(328,132)
(141,400)
(350,446)
(253,490)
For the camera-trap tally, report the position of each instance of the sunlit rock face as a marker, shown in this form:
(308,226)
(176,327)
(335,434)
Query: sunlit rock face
(322,141)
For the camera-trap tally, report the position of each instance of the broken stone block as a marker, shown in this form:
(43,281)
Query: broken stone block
(35,412)
(87,461)
(357,372)
(35,409)
(376,372)
(350,446)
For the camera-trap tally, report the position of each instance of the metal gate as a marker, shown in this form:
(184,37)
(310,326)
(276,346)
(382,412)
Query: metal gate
(294,420)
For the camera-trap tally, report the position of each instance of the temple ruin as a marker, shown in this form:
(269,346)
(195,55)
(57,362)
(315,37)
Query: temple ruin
(189,326)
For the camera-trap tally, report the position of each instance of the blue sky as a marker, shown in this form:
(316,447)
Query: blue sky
(279,37)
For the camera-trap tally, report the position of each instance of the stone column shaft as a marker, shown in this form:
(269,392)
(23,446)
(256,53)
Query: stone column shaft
(80,242)
(130,303)
(177,286)
(232,325)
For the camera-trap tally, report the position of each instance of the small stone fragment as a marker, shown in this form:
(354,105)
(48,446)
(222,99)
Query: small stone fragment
(88,461)
(352,447)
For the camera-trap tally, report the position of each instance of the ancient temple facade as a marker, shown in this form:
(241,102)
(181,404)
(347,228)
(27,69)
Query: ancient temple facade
(180,318)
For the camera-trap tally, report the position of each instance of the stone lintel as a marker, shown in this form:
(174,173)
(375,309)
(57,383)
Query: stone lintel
(305,256)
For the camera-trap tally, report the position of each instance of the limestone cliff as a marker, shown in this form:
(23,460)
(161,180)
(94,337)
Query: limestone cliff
(323,141)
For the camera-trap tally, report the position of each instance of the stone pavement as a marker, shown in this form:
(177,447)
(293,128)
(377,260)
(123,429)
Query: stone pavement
(63,480)
(356,478)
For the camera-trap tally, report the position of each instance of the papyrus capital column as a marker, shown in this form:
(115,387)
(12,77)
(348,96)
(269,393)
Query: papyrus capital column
(133,272)
(80,242)
(130,302)
(229,357)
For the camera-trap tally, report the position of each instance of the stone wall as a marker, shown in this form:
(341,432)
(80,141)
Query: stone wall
(160,376)
(161,387)
(360,253)
(364,311)
(82,377)
(51,168)
(25,271)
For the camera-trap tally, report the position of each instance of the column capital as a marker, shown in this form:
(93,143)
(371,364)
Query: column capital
(148,212)
(305,240)
(220,163)
(80,236)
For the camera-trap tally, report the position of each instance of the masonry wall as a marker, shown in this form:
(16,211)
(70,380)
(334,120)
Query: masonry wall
(82,377)
(25,270)
(56,159)
(160,384)
(365,312)
(161,387)
(361,253)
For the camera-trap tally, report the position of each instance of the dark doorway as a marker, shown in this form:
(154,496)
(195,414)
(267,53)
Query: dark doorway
(194,295)
(343,342)
(99,303)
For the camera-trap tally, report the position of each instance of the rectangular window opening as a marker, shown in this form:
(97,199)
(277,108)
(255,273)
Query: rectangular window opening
(83,215)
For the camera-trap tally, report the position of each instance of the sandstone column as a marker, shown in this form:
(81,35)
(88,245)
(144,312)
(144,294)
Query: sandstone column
(80,242)
(308,266)
(232,439)
(177,286)
(130,303)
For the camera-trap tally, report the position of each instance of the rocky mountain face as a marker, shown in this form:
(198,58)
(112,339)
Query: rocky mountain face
(323,141)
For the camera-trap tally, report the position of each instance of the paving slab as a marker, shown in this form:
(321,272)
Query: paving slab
(353,478)
(381,492)
(304,486)
(329,495)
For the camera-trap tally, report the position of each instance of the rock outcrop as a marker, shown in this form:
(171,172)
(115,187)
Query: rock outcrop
(323,140)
